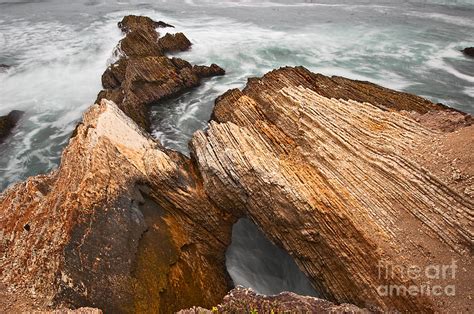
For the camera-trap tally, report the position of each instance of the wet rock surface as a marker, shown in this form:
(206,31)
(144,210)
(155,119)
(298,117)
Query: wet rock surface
(469,51)
(144,75)
(8,122)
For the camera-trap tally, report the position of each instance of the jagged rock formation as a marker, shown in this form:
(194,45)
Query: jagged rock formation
(8,122)
(326,168)
(241,300)
(122,225)
(143,75)
(469,51)
(342,174)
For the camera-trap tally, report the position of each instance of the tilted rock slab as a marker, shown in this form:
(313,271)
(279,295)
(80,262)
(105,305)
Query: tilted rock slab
(143,74)
(324,167)
(121,225)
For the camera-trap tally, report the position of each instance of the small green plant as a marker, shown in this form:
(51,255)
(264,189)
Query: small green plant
(253,311)
(214,309)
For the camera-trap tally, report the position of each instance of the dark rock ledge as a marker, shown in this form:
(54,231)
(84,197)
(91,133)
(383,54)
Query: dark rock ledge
(469,51)
(8,122)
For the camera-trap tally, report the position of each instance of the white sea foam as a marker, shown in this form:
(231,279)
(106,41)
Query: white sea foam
(55,76)
(452,51)
(446,18)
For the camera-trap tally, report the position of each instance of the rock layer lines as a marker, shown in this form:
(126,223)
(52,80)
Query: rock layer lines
(330,180)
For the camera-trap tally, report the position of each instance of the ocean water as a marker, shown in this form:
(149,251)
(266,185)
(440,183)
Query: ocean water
(58,50)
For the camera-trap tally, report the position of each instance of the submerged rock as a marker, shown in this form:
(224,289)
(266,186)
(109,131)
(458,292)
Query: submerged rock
(329,169)
(144,75)
(241,300)
(469,51)
(8,122)
(121,225)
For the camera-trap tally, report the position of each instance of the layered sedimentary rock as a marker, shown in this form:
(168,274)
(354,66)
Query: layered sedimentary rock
(143,75)
(122,225)
(329,169)
(8,122)
(241,300)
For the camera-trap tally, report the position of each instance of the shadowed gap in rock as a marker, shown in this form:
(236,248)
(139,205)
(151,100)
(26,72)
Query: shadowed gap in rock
(254,261)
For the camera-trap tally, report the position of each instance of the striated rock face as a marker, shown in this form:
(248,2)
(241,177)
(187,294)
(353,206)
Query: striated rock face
(469,51)
(329,170)
(143,75)
(241,300)
(8,122)
(122,225)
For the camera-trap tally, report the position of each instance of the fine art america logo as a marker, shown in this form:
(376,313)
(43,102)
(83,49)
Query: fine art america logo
(434,279)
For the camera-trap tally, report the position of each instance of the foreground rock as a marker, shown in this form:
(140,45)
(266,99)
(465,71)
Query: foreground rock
(8,122)
(122,225)
(143,75)
(329,168)
(241,300)
(469,51)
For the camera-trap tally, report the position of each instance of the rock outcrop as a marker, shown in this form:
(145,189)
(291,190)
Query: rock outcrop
(349,177)
(144,75)
(8,122)
(122,225)
(469,51)
(329,170)
(241,300)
